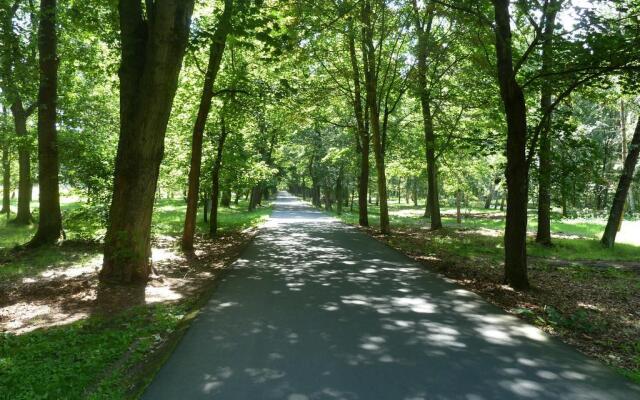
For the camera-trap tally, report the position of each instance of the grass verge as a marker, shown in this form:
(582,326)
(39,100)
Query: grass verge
(584,294)
(113,348)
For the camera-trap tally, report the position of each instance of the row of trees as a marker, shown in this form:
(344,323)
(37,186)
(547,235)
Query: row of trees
(345,100)
(443,52)
(145,43)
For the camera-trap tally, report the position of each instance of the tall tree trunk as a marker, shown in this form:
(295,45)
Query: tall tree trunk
(433,200)
(362,132)
(422,54)
(370,68)
(6,172)
(304,190)
(489,198)
(515,236)
(215,178)
(353,194)
(617,208)
(543,235)
(6,180)
(623,132)
(23,217)
(216,50)
(256,195)
(50,222)
(11,91)
(458,204)
(327,198)
(339,191)
(205,208)
(225,200)
(153,45)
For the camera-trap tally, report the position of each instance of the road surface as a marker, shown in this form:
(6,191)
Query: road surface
(315,309)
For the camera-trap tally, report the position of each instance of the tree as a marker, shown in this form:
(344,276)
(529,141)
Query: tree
(617,208)
(543,235)
(371,79)
(424,26)
(6,165)
(153,42)
(215,176)
(16,72)
(216,51)
(515,235)
(50,223)
(363,145)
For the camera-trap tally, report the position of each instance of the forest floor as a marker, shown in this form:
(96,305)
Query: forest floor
(53,310)
(586,295)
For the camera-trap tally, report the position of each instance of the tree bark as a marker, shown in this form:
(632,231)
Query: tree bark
(6,180)
(23,217)
(254,200)
(339,191)
(11,91)
(216,51)
(370,68)
(327,198)
(205,208)
(215,179)
(225,200)
(50,221)
(458,204)
(617,208)
(543,235)
(517,173)
(153,45)
(423,29)
(362,132)
(6,172)
(489,198)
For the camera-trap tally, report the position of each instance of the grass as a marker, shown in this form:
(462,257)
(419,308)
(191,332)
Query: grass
(85,359)
(92,358)
(85,223)
(576,292)
(576,239)
(168,218)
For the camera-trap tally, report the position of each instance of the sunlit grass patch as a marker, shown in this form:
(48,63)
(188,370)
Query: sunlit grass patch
(574,239)
(584,249)
(168,217)
(12,235)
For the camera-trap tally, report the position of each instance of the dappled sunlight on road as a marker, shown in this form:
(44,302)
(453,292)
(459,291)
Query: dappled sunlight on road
(316,310)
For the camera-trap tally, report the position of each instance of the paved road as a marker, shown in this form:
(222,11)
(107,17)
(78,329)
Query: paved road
(314,309)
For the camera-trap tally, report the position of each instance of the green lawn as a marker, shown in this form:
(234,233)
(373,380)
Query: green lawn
(97,357)
(481,234)
(587,303)
(85,359)
(84,226)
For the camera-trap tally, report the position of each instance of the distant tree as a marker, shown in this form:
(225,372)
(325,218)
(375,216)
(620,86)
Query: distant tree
(216,50)
(17,74)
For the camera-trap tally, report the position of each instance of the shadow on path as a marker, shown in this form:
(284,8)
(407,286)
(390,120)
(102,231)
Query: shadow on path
(314,309)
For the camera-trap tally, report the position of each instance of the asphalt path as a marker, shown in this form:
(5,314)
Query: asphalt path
(315,309)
